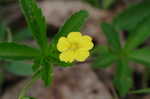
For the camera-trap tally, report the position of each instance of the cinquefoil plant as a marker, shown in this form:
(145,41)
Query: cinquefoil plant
(136,21)
(67,45)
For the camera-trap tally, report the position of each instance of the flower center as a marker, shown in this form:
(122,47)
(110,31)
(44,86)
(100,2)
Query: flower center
(74,46)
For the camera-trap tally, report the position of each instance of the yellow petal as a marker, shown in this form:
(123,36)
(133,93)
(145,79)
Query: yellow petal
(87,37)
(67,56)
(74,36)
(86,43)
(82,55)
(63,44)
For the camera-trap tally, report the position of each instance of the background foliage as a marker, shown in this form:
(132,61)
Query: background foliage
(137,24)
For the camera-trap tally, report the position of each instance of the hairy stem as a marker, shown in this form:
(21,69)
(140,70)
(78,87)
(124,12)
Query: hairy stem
(29,84)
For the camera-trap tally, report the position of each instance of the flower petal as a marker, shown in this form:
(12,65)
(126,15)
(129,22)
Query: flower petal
(82,55)
(74,36)
(86,43)
(63,44)
(87,37)
(67,56)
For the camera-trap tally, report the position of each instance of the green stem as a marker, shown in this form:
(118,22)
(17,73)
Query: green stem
(28,85)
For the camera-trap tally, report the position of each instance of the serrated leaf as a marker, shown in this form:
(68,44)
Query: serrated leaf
(141,34)
(19,68)
(102,57)
(17,51)
(123,80)
(132,16)
(36,22)
(112,36)
(73,24)
(141,56)
(47,72)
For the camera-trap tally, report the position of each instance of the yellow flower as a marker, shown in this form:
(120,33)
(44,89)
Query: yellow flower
(74,47)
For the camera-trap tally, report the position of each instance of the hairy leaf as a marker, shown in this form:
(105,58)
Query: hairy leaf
(17,51)
(36,22)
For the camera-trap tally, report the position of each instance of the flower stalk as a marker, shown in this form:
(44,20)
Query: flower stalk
(29,84)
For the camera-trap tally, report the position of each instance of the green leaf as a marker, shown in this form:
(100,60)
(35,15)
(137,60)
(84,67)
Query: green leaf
(104,61)
(36,22)
(123,80)
(63,64)
(17,51)
(73,24)
(59,63)
(112,36)
(46,69)
(100,50)
(19,68)
(141,56)
(102,57)
(47,72)
(132,16)
(141,34)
